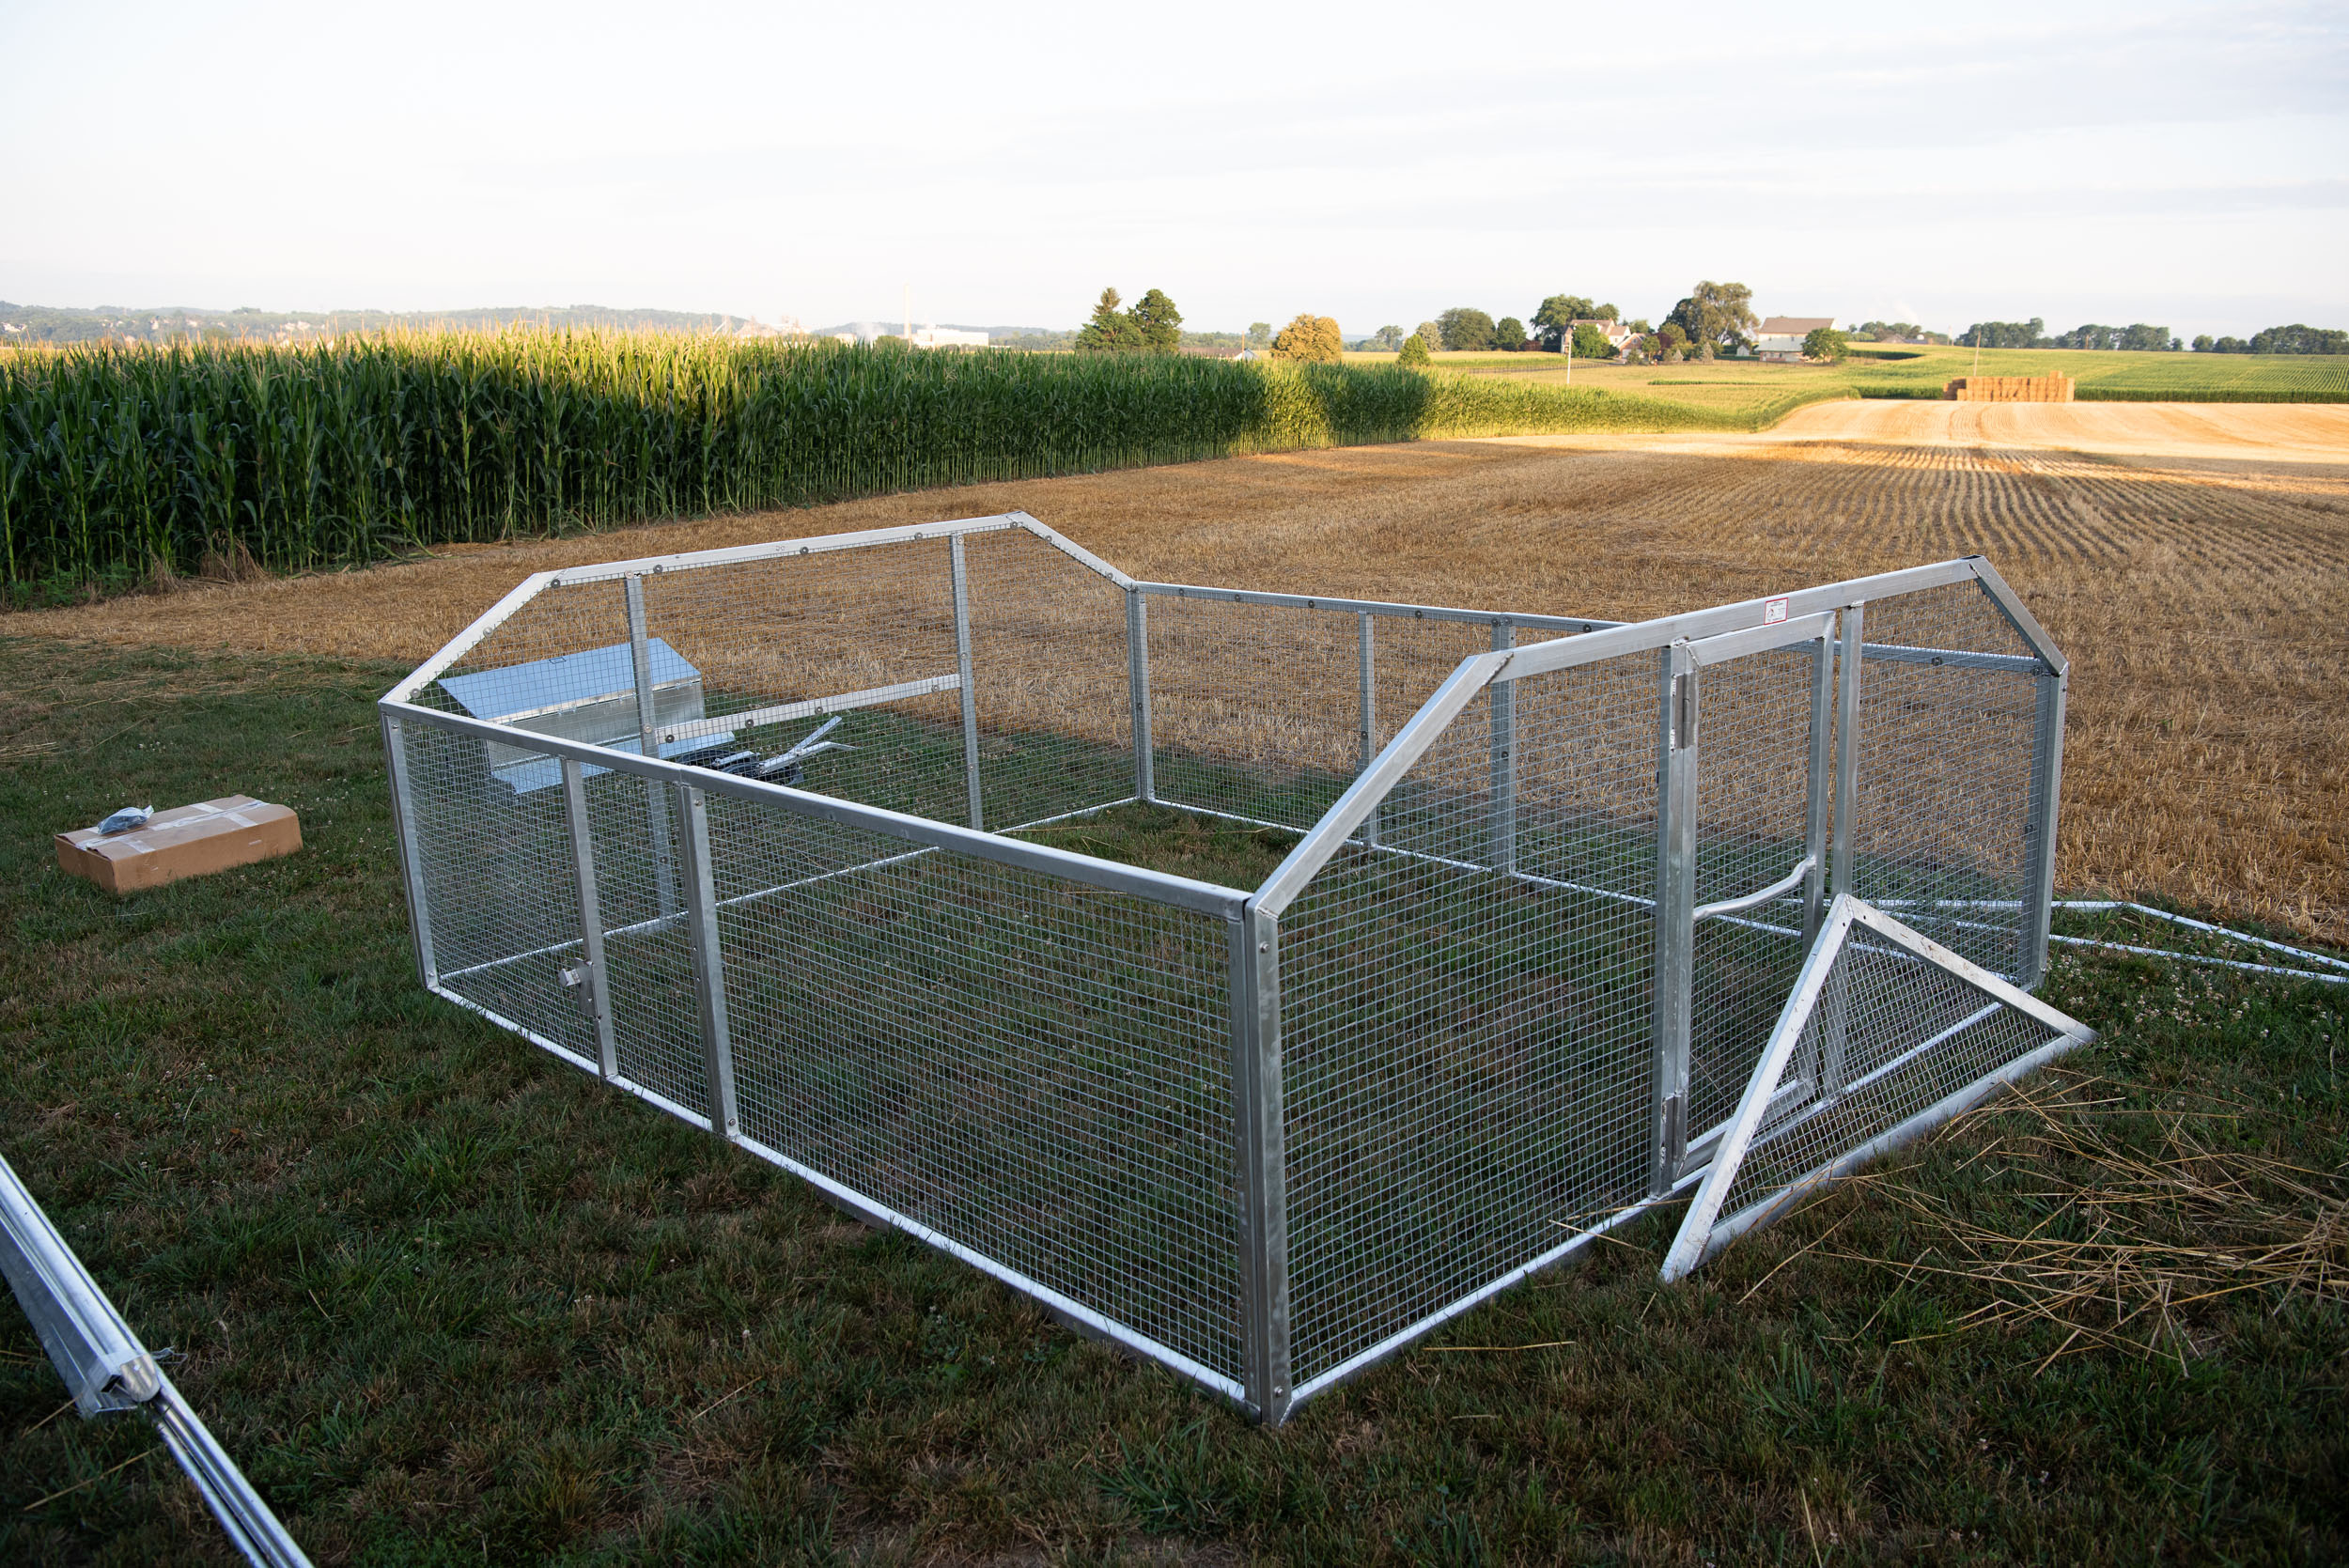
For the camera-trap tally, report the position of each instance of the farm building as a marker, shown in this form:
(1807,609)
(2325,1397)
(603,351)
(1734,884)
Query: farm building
(1780,340)
(1616,333)
(932,336)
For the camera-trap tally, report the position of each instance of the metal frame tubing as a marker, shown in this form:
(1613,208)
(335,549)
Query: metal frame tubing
(106,1368)
(411,853)
(1138,690)
(1502,696)
(710,970)
(1703,1233)
(1184,892)
(1265,1384)
(1847,745)
(1366,673)
(1816,809)
(1563,626)
(597,980)
(1674,980)
(969,695)
(647,720)
(1261,1162)
(2046,781)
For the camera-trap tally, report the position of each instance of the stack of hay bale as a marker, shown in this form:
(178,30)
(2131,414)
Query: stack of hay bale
(2010,389)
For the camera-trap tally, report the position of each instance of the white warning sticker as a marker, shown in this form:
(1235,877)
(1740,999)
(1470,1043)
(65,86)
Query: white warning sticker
(1774,610)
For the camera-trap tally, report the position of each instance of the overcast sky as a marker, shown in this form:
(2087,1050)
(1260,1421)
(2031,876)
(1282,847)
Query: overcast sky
(2187,165)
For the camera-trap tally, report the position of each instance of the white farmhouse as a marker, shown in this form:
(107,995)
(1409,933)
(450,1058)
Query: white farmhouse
(1780,339)
(1615,332)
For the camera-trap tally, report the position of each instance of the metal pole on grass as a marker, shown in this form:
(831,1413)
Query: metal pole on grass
(2046,778)
(1675,914)
(969,695)
(1822,764)
(1504,697)
(1138,686)
(596,981)
(710,974)
(1366,671)
(410,851)
(1260,1162)
(656,798)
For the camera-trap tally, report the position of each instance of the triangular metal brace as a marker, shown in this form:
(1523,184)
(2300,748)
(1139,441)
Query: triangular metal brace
(1886,1035)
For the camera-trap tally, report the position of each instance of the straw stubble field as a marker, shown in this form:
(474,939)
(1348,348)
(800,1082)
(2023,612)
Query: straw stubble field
(2200,598)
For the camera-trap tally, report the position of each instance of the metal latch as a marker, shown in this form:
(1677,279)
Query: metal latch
(579,978)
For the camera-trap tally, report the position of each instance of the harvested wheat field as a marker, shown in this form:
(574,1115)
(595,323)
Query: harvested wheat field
(2193,560)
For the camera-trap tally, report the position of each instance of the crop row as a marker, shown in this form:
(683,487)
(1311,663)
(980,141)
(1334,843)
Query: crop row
(131,461)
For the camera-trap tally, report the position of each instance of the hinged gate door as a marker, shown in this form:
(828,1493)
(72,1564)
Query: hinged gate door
(1743,762)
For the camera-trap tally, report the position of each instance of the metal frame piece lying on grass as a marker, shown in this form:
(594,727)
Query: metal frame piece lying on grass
(107,1369)
(1764,1112)
(1244,1133)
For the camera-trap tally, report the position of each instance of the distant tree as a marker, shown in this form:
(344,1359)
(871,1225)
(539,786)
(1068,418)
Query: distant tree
(1509,333)
(1465,330)
(1639,324)
(2143,337)
(2299,339)
(1414,352)
(2006,335)
(892,341)
(2230,346)
(1716,316)
(1310,338)
(1558,313)
(1111,330)
(1591,343)
(1429,335)
(1158,325)
(1388,337)
(1673,338)
(1825,344)
(1259,335)
(2201,344)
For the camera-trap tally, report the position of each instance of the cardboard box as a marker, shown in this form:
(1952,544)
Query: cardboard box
(186,841)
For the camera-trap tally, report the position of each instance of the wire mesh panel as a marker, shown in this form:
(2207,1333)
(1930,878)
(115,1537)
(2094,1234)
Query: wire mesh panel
(1038,1070)
(1456,1051)
(1255,709)
(1055,699)
(497,886)
(1887,1034)
(1752,816)
(1465,1048)
(1944,818)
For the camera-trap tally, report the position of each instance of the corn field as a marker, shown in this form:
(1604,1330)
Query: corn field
(121,463)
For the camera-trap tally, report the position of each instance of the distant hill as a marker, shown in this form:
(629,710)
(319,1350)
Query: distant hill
(163,324)
(21,323)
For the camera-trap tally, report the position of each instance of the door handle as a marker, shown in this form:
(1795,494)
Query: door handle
(1778,889)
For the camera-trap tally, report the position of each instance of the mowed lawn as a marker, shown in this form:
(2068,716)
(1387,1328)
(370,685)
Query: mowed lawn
(450,1301)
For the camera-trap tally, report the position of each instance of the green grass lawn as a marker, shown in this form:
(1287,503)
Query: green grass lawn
(449,1300)
(1768,392)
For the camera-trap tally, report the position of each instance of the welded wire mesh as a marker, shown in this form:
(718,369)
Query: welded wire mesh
(1255,710)
(1892,1034)
(1753,809)
(1047,641)
(1943,816)
(1465,1049)
(497,884)
(1039,1070)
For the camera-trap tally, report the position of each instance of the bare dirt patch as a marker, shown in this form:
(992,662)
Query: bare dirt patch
(2201,596)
